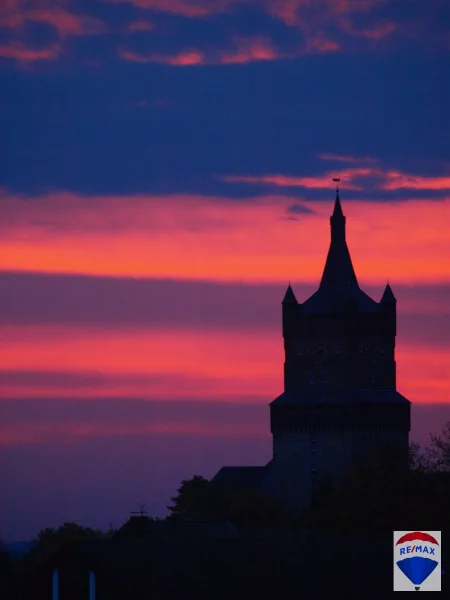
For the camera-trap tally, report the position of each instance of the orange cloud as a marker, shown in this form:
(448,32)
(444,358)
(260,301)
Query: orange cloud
(22,53)
(183,59)
(65,22)
(203,238)
(140,26)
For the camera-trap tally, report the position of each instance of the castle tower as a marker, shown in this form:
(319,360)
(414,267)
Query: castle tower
(340,401)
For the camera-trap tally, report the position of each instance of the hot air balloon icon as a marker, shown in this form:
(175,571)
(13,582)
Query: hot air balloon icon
(417,555)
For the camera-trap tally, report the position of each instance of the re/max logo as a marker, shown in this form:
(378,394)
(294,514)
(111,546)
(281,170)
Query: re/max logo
(422,549)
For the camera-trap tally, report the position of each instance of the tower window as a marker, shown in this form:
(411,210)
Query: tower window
(372,378)
(324,377)
(299,348)
(337,349)
(311,377)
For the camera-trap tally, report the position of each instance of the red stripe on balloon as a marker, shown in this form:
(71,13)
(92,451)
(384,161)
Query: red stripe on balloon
(417,535)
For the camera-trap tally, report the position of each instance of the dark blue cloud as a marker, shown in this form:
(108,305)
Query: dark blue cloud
(148,303)
(77,123)
(300,209)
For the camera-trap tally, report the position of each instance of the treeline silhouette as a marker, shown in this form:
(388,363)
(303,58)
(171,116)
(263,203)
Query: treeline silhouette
(211,530)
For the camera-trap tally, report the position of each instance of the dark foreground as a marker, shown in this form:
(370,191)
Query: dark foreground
(214,561)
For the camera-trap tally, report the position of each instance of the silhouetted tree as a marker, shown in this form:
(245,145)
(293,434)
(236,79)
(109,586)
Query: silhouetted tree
(380,494)
(50,540)
(439,449)
(197,499)
(370,496)
(420,459)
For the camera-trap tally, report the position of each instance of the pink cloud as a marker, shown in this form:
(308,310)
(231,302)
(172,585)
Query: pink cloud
(186,8)
(348,159)
(250,50)
(379,32)
(66,362)
(291,12)
(183,59)
(65,22)
(140,26)
(376,32)
(396,180)
(321,45)
(247,50)
(316,182)
(285,10)
(313,21)
(387,180)
(22,53)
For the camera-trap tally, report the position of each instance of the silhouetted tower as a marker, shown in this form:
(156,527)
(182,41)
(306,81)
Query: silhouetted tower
(340,401)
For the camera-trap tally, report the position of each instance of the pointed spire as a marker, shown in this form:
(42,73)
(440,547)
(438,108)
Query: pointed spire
(289,297)
(337,212)
(338,272)
(337,221)
(388,295)
(338,289)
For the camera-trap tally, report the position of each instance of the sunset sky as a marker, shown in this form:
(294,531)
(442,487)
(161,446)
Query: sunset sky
(165,170)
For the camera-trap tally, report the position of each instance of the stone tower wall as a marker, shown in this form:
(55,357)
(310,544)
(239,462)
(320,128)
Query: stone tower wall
(302,459)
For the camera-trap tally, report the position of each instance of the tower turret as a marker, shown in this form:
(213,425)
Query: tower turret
(388,305)
(289,296)
(388,296)
(289,309)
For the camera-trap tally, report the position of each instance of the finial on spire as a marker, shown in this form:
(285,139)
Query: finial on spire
(337,220)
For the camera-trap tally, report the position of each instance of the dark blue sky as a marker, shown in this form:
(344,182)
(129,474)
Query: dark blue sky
(90,118)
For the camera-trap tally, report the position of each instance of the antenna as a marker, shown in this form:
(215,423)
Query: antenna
(142,510)
(337,180)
